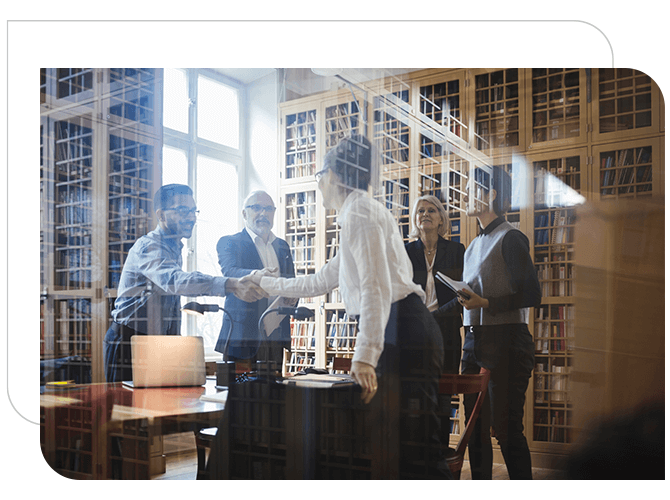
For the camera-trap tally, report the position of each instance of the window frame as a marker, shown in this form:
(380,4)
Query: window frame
(194,147)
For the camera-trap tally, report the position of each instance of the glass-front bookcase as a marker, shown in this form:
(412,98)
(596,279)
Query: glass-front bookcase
(567,136)
(100,139)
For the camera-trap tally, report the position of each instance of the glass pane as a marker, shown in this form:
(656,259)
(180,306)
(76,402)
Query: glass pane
(175,166)
(216,198)
(175,171)
(218,113)
(175,101)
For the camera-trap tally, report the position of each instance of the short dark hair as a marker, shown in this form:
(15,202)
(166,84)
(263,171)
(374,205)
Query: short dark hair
(164,197)
(502,183)
(350,159)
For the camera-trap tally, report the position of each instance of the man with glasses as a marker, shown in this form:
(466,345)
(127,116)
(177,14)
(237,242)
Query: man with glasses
(152,282)
(255,250)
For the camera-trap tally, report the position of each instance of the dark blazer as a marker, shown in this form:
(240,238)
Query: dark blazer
(238,257)
(449,261)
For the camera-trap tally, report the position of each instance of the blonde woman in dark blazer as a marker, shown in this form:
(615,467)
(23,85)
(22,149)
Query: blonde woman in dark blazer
(432,252)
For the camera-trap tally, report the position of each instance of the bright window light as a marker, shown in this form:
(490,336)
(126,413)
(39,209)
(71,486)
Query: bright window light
(218,113)
(216,198)
(175,100)
(175,166)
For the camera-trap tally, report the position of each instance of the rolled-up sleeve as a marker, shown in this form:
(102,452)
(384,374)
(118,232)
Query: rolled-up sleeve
(166,273)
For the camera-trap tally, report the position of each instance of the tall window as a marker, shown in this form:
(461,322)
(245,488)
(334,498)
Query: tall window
(201,123)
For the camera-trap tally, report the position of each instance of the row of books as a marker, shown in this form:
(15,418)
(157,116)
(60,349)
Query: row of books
(303,249)
(299,361)
(342,332)
(302,335)
(554,329)
(396,195)
(552,385)
(300,163)
(73,279)
(555,278)
(301,210)
(625,157)
(554,227)
(301,118)
(74,257)
(624,178)
(302,140)
(551,426)
(342,124)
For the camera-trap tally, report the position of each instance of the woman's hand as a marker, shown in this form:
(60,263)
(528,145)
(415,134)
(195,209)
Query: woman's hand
(474,302)
(364,374)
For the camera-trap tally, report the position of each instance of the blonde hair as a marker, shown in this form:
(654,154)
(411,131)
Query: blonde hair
(444,217)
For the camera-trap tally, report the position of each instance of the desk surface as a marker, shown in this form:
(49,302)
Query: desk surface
(127,402)
(80,420)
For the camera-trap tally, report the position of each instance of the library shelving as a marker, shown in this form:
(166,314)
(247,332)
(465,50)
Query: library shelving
(627,102)
(567,136)
(498,109)
(558,105)
(100,134)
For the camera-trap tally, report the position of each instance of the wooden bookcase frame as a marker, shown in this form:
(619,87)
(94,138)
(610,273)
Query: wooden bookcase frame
(625,105)
(557,107)
(113,105)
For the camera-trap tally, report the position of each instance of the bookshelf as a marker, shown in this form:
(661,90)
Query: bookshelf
(557,111)
(551,129)
(627,169)
(626,105)
(100,140)
(498,108)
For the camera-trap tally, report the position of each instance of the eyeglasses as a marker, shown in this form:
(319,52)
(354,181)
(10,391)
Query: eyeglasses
(185,211)
(320,173)
(262,208)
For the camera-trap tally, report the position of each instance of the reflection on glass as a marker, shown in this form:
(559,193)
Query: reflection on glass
(477,188)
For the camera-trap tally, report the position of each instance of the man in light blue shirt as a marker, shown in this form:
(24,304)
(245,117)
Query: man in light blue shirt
(152,282)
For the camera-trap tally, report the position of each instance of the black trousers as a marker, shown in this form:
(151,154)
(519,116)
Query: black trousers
(413,347)
(116,353)
(508,352)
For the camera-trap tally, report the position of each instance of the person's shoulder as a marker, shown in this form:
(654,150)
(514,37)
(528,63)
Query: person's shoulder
(232,238)
(412,245)
(515,236)
(281,243)
(450,243)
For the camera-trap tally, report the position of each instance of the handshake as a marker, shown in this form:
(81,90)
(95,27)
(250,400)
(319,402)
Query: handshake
(248,287)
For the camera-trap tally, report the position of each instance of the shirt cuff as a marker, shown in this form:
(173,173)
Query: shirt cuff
(494,305)
(368,355)
(219,286)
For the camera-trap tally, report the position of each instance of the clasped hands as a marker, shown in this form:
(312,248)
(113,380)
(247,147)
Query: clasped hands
(248,287)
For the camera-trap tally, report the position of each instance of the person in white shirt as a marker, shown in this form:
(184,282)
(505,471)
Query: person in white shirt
(374,276)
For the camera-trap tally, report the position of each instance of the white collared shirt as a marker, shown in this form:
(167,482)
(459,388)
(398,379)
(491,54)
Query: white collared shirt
(265,250)
(371,268)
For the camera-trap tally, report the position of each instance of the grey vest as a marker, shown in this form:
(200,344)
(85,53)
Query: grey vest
(486,273)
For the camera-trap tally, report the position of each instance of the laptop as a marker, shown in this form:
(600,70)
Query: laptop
(167,361)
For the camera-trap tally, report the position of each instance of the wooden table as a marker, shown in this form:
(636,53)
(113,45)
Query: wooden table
(100,431)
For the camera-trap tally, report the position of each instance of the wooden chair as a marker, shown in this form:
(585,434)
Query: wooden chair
(341,364)
(464,384)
